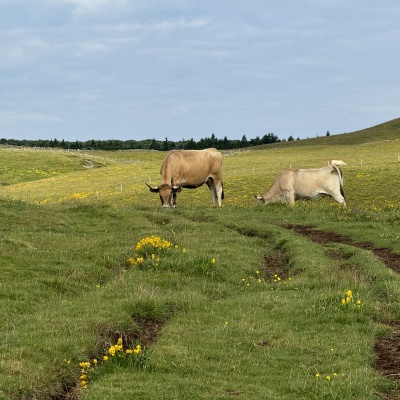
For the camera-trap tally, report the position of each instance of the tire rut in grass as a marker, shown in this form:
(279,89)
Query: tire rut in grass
(387,349)
(276,264)
(385,254)
(146,334)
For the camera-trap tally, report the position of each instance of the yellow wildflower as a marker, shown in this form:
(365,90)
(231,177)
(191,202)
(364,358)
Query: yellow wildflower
(84,364)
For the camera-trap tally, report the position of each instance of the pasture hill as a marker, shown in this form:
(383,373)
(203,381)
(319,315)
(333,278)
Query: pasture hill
(105,295)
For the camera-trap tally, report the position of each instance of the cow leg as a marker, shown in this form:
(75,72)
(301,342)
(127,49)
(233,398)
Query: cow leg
(216,190)
(211,185)
(173,199)
(339,198)
(219,192)
(290,198)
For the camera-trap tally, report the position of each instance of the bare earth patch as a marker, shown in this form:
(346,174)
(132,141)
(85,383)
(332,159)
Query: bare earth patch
(275,264)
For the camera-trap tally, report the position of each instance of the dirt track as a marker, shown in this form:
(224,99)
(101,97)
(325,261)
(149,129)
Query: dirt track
(387,349)
(390,259)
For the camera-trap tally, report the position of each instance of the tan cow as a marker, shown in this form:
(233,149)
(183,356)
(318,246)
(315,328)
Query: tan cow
(190,169)
(293,184)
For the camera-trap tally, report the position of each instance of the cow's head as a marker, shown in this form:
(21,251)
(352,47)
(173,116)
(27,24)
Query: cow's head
(260,199)
(167,193)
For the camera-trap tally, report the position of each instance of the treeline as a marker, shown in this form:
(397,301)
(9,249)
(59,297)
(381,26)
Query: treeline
(148,144)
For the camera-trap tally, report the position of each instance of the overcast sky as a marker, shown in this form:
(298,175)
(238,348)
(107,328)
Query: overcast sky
(181,69)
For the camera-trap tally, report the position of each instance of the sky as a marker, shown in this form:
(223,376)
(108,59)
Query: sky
(187,69)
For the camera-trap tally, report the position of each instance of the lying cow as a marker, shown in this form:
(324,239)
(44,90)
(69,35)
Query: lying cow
(293,184)
(190,169)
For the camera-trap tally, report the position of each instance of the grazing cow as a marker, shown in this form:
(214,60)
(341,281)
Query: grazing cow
(293,184)
(190,169)
(338,162)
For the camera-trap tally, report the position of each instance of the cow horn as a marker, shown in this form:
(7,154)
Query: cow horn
(258,197)
(152,188)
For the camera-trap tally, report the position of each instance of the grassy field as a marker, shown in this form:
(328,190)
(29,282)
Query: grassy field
(225,303)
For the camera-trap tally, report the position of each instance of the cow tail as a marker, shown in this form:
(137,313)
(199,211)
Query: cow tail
(223,194)
(340,175)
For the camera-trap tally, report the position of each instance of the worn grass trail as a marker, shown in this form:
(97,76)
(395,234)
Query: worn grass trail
(229,333)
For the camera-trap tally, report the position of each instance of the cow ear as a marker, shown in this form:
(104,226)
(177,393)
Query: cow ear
(155,189)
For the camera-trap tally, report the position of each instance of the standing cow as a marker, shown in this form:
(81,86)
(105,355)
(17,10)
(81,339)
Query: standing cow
(190,169)
(293,184)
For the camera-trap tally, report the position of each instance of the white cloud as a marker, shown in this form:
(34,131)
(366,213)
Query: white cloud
(13,57)
(89,48)
(94,6)
(19,52)
(165,25)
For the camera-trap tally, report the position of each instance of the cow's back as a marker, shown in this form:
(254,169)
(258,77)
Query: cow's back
(190,166)
(310,181)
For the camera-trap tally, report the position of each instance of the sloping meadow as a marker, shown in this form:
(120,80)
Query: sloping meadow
(371,178)
(104,295)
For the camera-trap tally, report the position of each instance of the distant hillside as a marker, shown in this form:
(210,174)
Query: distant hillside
(386,131)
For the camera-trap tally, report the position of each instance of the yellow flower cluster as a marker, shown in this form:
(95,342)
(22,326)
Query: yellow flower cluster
(136,350)
(252,279)
(153,241)
(115,353)
(86,368)
(148,251)
(135,261)
(277,278)
(327,377)
(118,349)
(348,299)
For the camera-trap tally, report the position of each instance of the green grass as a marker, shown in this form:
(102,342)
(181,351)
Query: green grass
(226,331)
